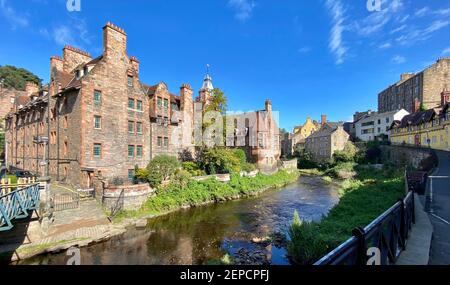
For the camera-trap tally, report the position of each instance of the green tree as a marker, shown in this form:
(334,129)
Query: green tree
(160,169)
(219,102)
(220,160)
(17,77)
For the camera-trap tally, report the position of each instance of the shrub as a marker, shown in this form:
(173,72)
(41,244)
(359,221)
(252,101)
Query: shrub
(302,234)
(348,154)
(240,154)
(181,178)
(305,161)
(161,168)
(220,161)
(192,168)
(248,167)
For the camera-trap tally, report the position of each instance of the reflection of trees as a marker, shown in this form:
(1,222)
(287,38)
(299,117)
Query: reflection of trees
(204,227)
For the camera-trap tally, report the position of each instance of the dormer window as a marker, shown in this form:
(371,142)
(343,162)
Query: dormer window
(78,74)
(86,70)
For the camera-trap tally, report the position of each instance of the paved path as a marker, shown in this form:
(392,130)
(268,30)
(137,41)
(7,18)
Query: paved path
(438,204)
(418,248)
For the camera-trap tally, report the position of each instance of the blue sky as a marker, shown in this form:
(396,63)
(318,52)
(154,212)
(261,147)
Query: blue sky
(309,57)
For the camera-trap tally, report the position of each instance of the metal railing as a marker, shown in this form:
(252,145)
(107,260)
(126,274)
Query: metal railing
(66,201)
(118,206)
(388,234)
(17,205)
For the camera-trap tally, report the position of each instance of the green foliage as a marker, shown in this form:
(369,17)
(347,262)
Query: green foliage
(17,77)
(373,152)
(342,170)
(160,169)
(219,102)
(220,161)
(2,142)
(302,234)
(181,178)
(248,167)
(305,161)
(346,155)
(199,192)
(240,154)
(362,200)
(193,168)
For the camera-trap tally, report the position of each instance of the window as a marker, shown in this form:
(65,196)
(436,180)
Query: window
(139,128)
(166,104)
(139,151)
(130,80)
(131,151)
(379,122)
(97,122)
(166,142)
(66,147)
(97,97)
(388,120)
(130,127)
(131,174)
(139,105)
(130,103)
(160,141)
(174,107)
(97,150)
(159,102)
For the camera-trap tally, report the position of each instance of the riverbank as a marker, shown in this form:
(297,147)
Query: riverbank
(168,201)
(200,193)
(363,199)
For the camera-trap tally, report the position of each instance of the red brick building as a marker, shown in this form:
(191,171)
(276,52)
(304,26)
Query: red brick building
(103,121)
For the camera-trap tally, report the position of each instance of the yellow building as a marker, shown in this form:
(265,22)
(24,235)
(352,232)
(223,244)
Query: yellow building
(430,128)
(301,133)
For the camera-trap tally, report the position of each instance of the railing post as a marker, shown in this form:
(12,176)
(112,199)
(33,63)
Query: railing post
(359,234)
(403,227)
(413,207)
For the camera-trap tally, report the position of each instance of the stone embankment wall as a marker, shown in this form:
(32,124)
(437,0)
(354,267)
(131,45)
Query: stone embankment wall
(412,157)
(133,198)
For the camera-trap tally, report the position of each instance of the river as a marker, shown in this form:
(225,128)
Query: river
(200,235)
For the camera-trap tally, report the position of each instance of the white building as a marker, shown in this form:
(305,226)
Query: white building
(374,124)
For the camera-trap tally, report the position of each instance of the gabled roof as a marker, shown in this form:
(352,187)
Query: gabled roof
(418,118)
(326,130)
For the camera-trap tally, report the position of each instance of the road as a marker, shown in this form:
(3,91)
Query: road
(439,211)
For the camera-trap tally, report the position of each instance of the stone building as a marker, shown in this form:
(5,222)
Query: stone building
(430,128)
(325,142)
(104,121)
(99,117)
(301,133)
(416,89)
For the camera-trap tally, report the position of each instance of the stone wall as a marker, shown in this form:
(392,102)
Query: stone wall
(134,196)
(414,157)
(290,164)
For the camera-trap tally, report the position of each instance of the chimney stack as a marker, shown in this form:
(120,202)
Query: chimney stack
(114,42)
(268,105)
(31,88)
(323,120)
(135,63)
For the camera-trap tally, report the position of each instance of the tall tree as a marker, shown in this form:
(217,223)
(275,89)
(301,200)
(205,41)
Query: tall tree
(17,77)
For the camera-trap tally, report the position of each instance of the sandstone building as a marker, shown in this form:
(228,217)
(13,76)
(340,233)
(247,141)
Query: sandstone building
(324,143)
(104,121)
(416,89)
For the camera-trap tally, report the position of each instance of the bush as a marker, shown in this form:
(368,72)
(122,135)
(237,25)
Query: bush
(192,168)
(248,167)
(181,178)
(220,161)
(348,154)
(161,168)
(302,234)
(342,170)
(305,161)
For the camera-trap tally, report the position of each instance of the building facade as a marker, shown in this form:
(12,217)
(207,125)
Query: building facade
(429,128)
(324,143)
(415,90)
(102,121)
(377,125)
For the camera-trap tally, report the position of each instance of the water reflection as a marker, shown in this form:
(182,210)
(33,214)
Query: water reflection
(196,236)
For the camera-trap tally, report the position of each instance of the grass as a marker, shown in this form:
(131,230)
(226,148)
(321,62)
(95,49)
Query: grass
(197,193)
(363,199)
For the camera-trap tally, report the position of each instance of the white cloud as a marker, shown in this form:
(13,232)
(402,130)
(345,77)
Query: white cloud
(304,50)
(399,29)
(385,46)
(376,21)
(443,12)
(423,34)
(422,12)
(15,19)
(243,8)
(336,44)
(74,32)
(398,59)
(446,51)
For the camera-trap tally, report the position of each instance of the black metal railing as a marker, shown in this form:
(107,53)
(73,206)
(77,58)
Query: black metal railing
(118,206)
(388,234)
(65,201)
